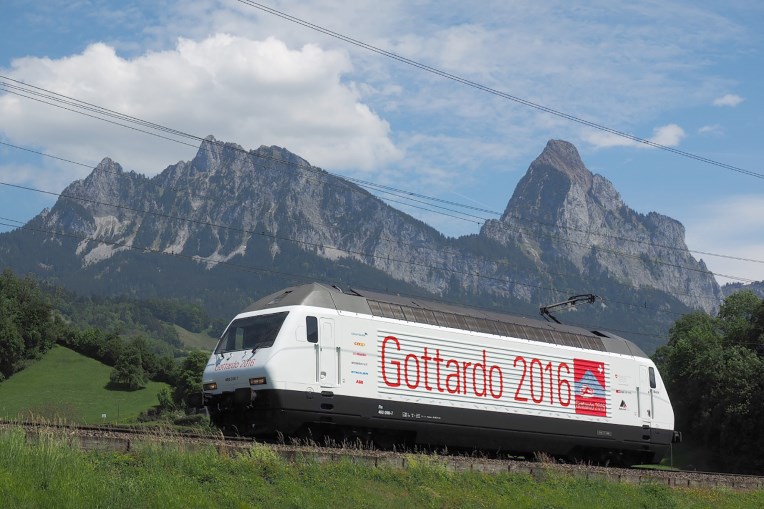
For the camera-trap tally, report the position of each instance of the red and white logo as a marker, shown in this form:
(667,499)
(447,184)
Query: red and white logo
(590,387)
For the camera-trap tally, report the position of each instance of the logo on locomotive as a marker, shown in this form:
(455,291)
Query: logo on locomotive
(530,380)
(590,386)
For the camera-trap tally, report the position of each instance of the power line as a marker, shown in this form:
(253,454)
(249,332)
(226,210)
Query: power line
(508,227)
(54,96)
(495,92)
(389,190)
(504,225)
(40,92)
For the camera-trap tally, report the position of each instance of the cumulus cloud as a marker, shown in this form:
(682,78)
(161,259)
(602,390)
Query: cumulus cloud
(731,100)
(669,135)
(242,90)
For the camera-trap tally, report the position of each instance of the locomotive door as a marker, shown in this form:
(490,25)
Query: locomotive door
(327,353)
(645,394)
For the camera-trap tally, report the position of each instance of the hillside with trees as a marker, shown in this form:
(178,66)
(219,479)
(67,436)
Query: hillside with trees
(33,320)
(27,327)
(713,368)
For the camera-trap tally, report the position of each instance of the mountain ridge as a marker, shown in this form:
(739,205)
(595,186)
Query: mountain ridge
(231,205)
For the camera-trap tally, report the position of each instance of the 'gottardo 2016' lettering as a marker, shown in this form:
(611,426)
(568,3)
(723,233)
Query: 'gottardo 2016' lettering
(435,373)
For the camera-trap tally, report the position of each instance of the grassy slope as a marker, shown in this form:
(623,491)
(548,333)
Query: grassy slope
(67,385)
(196,341)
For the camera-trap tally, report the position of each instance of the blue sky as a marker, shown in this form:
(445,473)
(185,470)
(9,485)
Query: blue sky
(684,74)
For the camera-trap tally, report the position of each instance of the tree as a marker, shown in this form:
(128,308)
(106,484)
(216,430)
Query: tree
(714,372)
(11,342)
(189,380)
(26,323)
(128,372)
(736,318)
(684,362)
(165,399)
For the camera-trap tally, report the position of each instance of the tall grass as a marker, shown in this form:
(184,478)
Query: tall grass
(49,473)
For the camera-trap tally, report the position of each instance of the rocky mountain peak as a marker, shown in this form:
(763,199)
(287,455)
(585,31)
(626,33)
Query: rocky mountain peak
(107,171)
(210,155)
(100,183)
(107,166)
(562,156)
(562,213)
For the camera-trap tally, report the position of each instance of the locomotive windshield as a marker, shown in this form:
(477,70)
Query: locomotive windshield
(251,333)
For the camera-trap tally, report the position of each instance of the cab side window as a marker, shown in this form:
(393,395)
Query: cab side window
(653,385)
(311,324)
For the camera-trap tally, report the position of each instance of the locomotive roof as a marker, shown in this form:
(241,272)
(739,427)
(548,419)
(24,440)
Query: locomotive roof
(447,315)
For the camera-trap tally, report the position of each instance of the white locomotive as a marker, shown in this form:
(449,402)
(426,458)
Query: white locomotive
(314,360)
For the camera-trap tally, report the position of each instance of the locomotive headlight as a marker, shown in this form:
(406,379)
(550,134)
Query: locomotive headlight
(211,386)
(260,380)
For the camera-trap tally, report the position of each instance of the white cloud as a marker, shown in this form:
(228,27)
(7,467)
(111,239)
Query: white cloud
(242,90)
(669,135)
(731,100)
(577,64)
(711,129)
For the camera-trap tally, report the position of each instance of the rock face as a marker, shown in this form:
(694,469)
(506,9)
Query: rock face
(756,287)
(561,211)
(564,231)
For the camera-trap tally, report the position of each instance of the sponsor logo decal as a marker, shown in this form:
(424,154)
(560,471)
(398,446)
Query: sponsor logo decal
(495,376)
(590,387)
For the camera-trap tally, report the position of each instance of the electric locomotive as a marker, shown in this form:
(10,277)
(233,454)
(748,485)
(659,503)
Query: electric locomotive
(313,360)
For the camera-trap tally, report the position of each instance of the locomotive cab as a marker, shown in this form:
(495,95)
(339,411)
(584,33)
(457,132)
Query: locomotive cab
(237,368)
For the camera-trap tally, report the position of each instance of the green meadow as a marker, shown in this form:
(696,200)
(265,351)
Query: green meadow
(195,340)
(70,387)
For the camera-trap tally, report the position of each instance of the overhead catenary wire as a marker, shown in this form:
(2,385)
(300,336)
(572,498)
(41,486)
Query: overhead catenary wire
(400,193)
(509,227)
(366,184)
(503,225)
(493,91)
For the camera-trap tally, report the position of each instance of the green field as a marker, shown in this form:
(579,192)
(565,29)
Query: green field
(196,340)
(65,385)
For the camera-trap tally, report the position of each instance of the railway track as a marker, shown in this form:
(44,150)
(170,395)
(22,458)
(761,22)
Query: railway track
(126,439)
